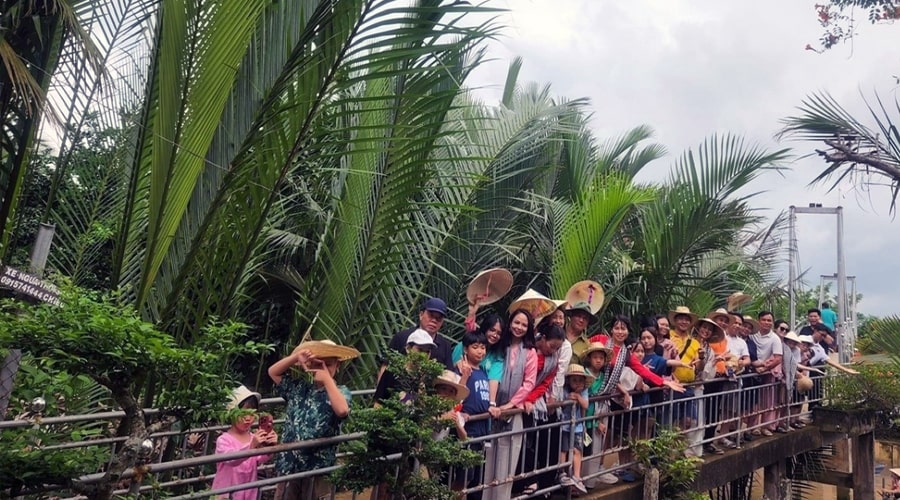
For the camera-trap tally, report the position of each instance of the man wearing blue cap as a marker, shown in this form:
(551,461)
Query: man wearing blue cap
(431,317)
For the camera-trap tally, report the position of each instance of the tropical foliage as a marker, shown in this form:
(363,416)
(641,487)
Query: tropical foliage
(866,155)
(321,163)
(406,428)
(98,338)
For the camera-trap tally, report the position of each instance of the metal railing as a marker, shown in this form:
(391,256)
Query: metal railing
(726,409)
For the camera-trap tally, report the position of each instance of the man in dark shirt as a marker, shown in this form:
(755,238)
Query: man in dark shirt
(816,327)
(431,318)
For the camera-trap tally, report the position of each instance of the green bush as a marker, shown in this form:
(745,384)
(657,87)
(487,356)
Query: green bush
(665,452)
(406,428)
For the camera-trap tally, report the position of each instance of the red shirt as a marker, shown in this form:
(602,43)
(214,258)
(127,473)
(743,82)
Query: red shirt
(633,362)
(542,385)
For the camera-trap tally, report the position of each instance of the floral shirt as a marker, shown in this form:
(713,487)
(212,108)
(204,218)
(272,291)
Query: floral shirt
(308,416)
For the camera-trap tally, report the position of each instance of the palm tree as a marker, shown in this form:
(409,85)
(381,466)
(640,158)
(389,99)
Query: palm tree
(686,245)
(35,38)
(867,156)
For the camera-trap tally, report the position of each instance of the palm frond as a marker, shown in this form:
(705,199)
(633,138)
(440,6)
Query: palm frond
(853,151)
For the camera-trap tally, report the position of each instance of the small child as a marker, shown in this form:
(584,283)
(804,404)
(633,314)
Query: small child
(241,415)
(418,341)
(314,409)
(577,381)
(449,386)
(478,402)
(597,355)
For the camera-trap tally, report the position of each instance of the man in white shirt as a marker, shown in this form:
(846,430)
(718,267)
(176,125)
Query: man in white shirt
(770,352)
(738,360)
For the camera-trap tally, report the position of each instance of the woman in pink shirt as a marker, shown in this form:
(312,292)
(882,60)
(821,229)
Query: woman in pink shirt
(520,368)
(238,437)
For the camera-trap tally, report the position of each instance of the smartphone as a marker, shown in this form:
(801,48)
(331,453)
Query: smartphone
(266,422)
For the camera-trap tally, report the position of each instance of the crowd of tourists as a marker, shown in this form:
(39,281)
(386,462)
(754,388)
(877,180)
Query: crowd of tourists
(538,365)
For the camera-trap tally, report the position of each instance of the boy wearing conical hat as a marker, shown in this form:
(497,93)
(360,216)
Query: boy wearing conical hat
(313,409)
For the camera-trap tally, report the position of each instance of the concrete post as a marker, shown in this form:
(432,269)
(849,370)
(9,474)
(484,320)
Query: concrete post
(864,466)
(773,480)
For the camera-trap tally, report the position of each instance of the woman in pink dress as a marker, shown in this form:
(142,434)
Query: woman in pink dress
(238,437)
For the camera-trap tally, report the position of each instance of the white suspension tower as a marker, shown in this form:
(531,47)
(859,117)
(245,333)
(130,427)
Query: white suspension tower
(843,337)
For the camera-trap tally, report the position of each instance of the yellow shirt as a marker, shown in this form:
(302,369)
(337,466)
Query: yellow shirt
(682,374)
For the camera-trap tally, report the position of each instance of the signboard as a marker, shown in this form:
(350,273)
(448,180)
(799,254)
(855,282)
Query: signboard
(29,284)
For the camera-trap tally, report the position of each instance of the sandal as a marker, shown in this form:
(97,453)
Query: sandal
(530,489)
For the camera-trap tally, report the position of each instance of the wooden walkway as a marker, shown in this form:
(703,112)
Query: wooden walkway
(851,467)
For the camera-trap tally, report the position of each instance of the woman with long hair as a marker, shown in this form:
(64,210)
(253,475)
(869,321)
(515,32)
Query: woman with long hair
(520,369)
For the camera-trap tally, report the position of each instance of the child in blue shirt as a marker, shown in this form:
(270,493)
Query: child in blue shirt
(478,401)
(577,381)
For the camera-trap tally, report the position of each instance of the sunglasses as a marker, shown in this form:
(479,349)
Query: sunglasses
(782,329)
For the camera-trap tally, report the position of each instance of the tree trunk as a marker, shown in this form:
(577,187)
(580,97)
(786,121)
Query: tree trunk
(128,455)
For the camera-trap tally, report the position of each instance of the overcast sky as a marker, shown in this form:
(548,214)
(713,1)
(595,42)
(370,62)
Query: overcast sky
(693,68)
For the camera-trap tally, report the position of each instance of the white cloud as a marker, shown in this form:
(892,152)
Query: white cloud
(691,68)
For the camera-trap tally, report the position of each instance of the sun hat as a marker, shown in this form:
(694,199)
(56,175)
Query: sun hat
(489,286)
(328,349)
(420,337)
(717,330)
(719,313)
(560,303)
(585,308)
(807,339)
(737,299)
(752,321)
(535,303)
(575,370)
(435,304)
(451,379)
(597,346)
(586,291)
(895,472)
(241,394)
(678,311)
(792,336)
(804,384)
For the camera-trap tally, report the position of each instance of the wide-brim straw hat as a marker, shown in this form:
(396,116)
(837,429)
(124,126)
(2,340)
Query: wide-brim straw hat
(578,370)
(895,472)
(679,311)
(241,394)
(736,300)
(586,291)
(597,346)
(451,379)
(560,303)
(804,384)
(719,313)
(535,303)
(792,335)
(489,286)
(752,321)
(717,330)
(328,349)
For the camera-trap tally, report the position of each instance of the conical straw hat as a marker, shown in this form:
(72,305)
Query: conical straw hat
(489,286)
(586,291)
(535,303)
